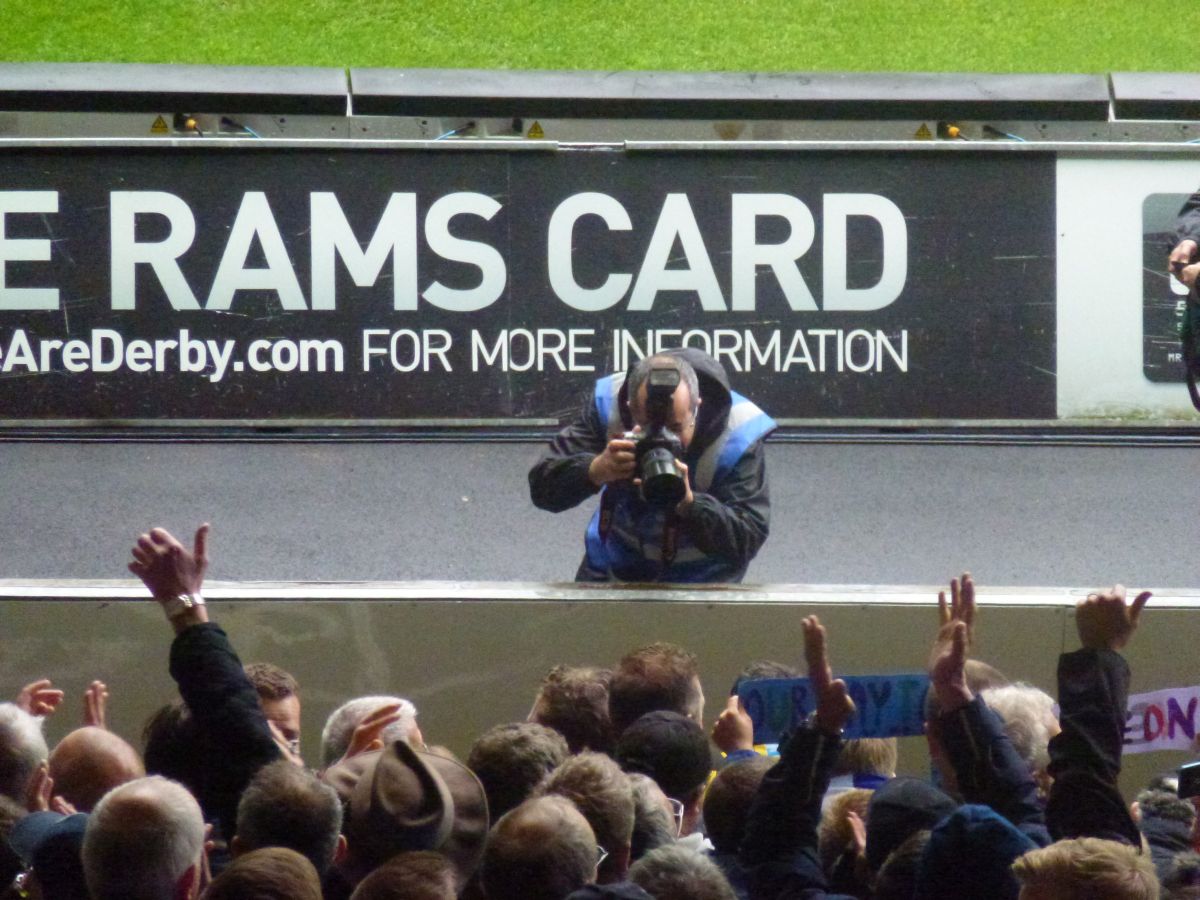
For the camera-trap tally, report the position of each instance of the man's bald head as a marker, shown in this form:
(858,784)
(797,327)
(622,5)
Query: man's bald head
(89,762)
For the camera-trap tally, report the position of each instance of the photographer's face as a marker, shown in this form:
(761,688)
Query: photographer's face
(681,421)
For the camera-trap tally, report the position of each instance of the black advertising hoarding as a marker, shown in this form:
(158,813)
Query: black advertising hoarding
(324,284)
(1164,299)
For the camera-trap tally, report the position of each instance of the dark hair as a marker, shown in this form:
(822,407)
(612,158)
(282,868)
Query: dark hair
(727,801)
(272,873)
(680,873)
(542,850)
(271,682)
(897,878)
(599,790)
(659,676)
(671,749)
(653,824)
(511,760)
(286,806)
(1182,881)
(765,668)
(1165,805)
(574,702)
(415,875)
(175,748)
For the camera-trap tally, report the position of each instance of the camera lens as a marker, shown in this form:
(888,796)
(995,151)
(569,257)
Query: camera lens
(662,485)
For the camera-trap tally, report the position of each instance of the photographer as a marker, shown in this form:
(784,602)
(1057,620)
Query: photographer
(1182,261)
(678,460)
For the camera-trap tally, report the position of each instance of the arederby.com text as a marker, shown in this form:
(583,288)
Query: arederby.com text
(511,350)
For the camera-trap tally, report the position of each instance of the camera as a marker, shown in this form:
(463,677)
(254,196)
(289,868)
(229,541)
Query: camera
(657,446)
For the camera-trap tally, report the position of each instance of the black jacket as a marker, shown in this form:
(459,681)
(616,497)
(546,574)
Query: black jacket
(1085,759)
(228,715)
(779,849)
(1188,225)
(989,770)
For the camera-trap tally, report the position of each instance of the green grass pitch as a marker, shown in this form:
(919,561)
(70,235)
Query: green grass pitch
(701,35)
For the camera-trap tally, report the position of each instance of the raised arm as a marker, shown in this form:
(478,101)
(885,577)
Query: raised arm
(779,848)
(987,768)
(212,682)
(1093,692)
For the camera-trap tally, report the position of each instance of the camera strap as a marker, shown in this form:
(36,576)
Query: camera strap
(607,504)
(670,538)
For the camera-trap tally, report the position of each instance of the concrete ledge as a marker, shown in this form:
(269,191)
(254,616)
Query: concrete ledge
(570,592)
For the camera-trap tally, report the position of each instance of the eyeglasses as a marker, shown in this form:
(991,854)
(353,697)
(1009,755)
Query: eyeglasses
(677,810)
(20,885)
(601,856)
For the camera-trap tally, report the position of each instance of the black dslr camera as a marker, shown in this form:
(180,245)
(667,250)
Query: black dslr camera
(657,446)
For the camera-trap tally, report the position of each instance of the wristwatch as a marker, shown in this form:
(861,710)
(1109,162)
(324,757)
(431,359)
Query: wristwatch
(181,603)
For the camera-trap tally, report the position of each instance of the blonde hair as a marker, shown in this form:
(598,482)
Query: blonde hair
(868,756)
(1089,867)
(834,834)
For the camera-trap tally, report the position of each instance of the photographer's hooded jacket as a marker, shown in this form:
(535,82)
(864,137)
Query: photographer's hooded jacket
(715,539)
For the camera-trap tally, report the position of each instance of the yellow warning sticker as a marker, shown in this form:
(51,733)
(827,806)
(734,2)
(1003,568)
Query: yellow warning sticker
(535,132)
(159,126)
(923,133)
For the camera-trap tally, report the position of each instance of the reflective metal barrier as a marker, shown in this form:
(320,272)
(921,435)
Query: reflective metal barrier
(136,100)
(472,655)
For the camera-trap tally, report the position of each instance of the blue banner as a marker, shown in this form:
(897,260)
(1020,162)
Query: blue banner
(886,705)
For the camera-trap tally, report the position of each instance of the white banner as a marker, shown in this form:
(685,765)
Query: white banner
(1162,720)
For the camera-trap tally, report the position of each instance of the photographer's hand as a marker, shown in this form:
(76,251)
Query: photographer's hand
(1184,254)
(689,497)
(614,463)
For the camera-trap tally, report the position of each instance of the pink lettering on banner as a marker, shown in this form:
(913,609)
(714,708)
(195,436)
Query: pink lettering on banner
(1162,720)
(1152,713)
(1176,717)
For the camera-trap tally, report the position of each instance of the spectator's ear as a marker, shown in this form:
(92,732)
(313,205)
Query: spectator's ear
(339,852)
(236,847)
(188,885)
(618,861)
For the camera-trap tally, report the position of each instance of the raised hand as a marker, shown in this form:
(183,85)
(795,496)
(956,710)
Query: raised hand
(95,705)
(947,670)
(39,698)
(165,565)
(39,796)
(1105,621)
(834,706)
(368,735)
(961,608)
(733,729)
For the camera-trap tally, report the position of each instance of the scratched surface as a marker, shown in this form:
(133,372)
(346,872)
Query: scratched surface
(864,285)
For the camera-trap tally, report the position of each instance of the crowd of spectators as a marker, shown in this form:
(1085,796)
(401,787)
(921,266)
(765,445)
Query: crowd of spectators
(616,786)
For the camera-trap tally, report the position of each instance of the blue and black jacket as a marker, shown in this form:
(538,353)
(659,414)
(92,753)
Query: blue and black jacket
(722,530)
